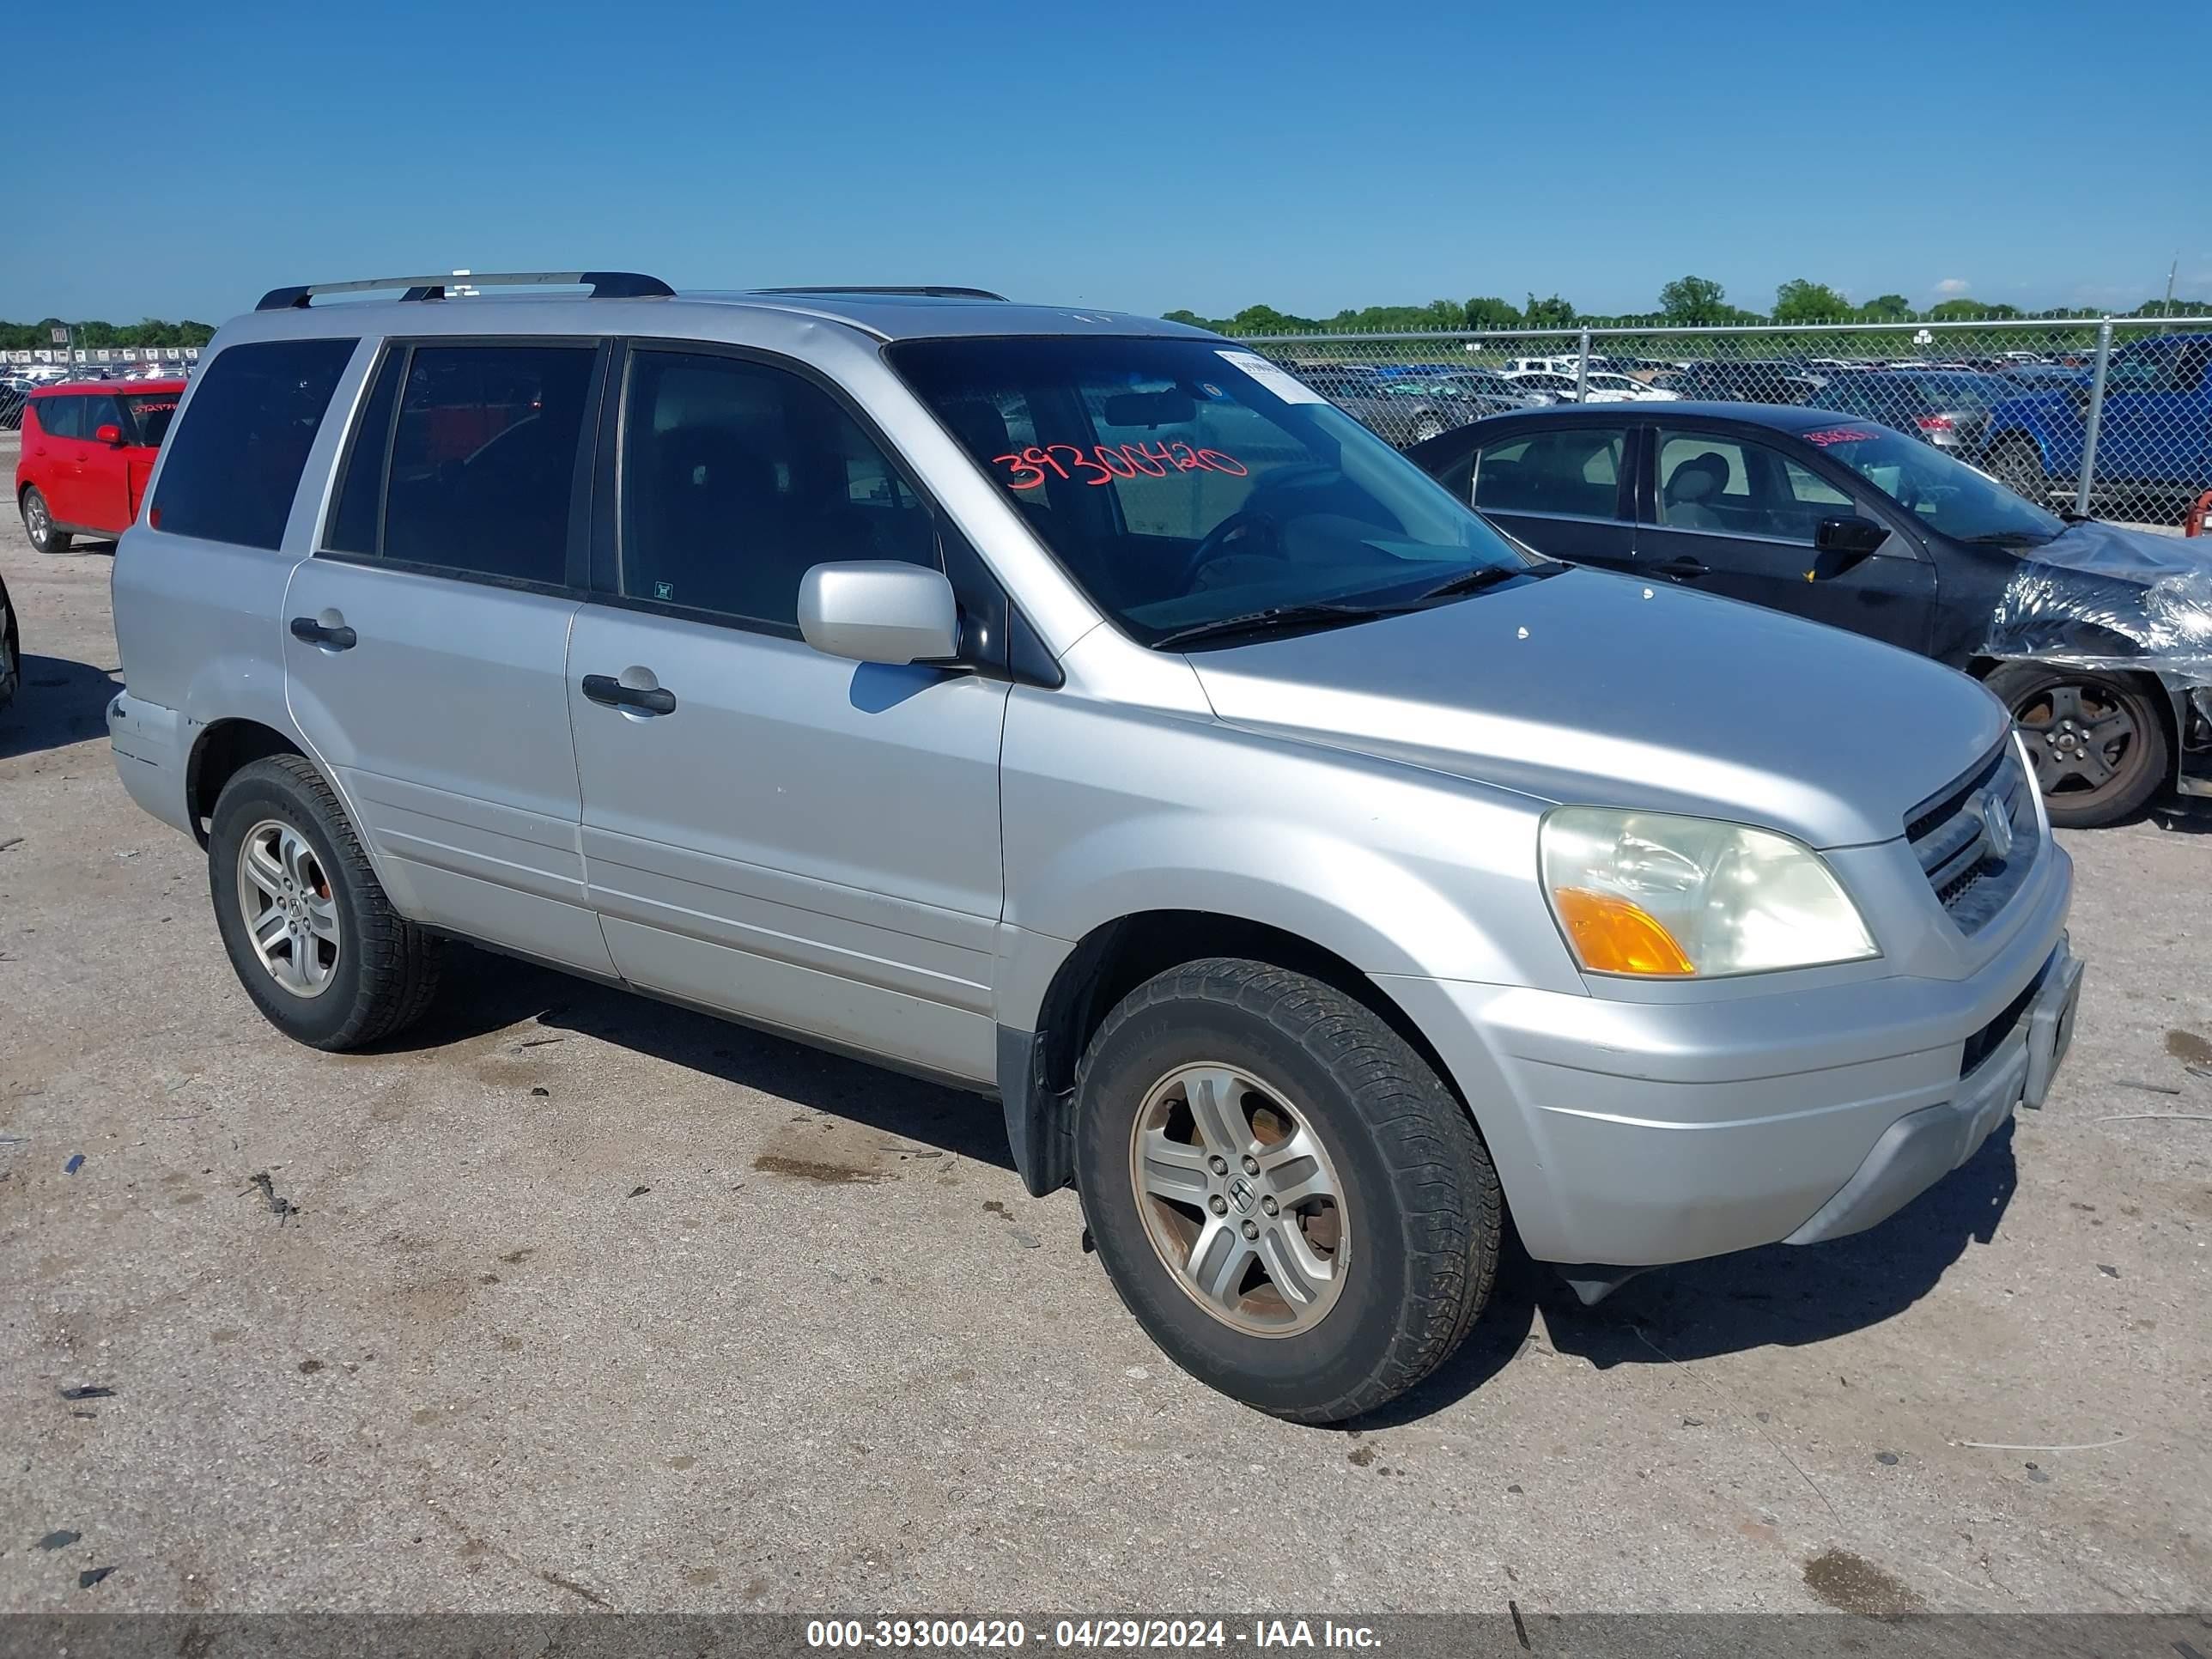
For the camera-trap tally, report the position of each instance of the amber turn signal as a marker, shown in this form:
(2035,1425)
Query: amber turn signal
(1613,936)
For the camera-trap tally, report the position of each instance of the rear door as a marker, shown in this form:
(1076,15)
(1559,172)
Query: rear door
(1726,514)
(1565,491)
(426,640)
(58,455)
(2156,427)
(803,840)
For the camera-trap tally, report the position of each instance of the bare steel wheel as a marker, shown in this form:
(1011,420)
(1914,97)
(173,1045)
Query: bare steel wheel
(291,919)
(2098,744)
(1240,1198)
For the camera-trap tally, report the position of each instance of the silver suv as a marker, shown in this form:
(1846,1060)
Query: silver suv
(1079,708)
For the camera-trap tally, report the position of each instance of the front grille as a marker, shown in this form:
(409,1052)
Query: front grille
(1950,835)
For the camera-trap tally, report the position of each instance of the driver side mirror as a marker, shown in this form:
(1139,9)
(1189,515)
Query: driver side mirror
(110,435)
(879,610)
(1841,544)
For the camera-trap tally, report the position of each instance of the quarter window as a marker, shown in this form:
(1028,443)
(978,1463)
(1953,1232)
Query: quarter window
(738,478)
(234,467)
(1575,471)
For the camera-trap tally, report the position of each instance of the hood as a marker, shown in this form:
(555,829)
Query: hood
(2101,597)
(1589,688)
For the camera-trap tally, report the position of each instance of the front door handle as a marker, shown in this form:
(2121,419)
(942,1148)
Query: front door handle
(609,692)
(333,636)
(1683,567)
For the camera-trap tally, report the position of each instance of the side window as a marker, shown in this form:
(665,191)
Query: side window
(1710,482)
(356,515)
(1575,469)
(483,459)
(233,465)
(99,412)
(738,478)
(62,417)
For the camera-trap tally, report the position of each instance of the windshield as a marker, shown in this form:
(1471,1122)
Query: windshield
(152,411)
(1181,483)
(1947,496)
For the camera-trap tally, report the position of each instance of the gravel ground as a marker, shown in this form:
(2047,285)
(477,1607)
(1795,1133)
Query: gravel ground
(588,1302)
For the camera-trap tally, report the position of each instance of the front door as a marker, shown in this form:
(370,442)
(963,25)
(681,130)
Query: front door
(1562,491)
(1730,516)
(2156,427)
(802,840)
(426,643)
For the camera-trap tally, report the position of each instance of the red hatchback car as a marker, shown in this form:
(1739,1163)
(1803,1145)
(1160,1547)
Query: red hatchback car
(88,448)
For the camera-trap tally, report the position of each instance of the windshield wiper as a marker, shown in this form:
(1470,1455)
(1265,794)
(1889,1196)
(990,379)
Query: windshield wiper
(1473,581)
(1324,612)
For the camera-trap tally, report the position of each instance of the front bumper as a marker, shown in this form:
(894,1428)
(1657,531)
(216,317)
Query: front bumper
(1633,1133)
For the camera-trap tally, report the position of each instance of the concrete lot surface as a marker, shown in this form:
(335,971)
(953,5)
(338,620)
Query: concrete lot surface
(592,1303)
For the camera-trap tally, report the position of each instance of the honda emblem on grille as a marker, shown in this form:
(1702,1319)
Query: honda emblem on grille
(1996,826)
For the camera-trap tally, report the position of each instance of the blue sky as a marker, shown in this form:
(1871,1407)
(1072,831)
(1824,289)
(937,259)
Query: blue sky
(1138,156)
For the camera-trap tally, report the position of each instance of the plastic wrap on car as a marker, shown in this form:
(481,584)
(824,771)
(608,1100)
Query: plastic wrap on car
(2103,598)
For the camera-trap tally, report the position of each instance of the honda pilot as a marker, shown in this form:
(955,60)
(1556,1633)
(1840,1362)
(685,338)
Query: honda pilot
(1079,709)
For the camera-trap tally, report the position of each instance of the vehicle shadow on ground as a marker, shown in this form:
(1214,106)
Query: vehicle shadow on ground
(59,702)
(483,994)
(1779,1295)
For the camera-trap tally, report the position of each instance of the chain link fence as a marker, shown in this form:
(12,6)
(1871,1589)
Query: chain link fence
(2105,414)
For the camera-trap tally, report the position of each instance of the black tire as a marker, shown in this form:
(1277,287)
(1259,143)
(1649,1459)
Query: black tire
(386,969)
(1422,1211)
(36,513)
(11,652)
(2017,464)
(2087,782)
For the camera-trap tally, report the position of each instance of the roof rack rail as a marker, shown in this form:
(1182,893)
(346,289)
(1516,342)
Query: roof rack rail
(925,291)
(604,284)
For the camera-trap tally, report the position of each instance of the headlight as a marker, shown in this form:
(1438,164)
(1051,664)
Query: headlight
(1650,894)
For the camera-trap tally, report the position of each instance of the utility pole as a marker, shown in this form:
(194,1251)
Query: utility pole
(2170,270)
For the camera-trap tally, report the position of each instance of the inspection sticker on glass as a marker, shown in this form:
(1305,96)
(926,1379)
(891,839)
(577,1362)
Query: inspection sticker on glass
(1280,381)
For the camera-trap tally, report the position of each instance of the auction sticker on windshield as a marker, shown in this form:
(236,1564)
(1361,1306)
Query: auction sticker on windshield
(1279,380)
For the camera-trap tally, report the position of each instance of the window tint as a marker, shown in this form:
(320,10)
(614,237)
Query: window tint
(483,459)
(152,411)
(232,469)
(62,417)
(99,412)
(1711,482)
(353,525)
(738,478)
(1576,469)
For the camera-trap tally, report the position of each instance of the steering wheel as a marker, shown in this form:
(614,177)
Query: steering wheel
(1215,543)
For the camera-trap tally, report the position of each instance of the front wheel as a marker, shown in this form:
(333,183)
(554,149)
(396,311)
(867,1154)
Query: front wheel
(2098,743)
(38,524)
(1287,1198)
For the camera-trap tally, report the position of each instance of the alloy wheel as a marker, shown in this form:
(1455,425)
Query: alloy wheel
(1240,1199)
(291,916)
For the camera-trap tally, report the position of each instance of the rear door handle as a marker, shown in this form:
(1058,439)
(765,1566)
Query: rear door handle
(609,692)
(336,637)
(1684,566)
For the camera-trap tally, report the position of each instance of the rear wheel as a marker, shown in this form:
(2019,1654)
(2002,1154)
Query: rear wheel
(316,944)
(38,524)
(2097,741)
(1426,426)
(2017,464)
(1292,1204)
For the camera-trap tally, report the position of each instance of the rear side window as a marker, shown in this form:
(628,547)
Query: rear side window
(1576,471)
(60,417)
(233,468)
(464,459)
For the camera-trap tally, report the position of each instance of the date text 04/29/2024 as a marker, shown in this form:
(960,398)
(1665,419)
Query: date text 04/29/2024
(1124,1634)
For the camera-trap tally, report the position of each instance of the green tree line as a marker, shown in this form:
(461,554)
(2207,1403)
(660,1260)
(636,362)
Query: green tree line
(148,332)
(1685,303)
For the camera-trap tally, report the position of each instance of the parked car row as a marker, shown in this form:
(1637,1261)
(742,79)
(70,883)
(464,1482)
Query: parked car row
(1086,711)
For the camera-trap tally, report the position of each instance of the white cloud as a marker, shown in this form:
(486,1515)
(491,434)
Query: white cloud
(1952,285)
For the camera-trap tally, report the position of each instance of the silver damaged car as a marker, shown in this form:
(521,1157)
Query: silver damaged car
(1079,709)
